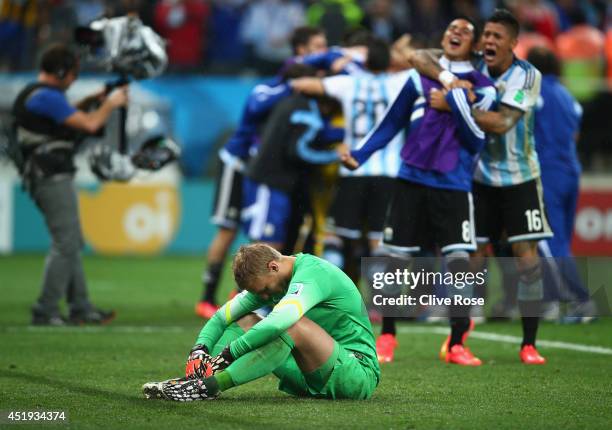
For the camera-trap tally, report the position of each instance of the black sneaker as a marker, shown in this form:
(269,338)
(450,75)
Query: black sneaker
(92,316)
(48,320)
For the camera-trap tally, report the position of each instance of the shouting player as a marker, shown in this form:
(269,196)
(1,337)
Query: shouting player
(317,340)
(507,186)
(432,202)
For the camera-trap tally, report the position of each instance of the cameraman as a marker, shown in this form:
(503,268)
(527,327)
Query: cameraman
(48,131)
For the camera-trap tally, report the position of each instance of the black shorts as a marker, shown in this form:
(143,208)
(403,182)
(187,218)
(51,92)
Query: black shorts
(360,204)
(228,196)
(516,211)
(421,218)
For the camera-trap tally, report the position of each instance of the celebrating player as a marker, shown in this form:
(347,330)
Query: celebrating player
(289,146)
(317,340)
(228,195)
(362,196)
(507,187)
(432,202)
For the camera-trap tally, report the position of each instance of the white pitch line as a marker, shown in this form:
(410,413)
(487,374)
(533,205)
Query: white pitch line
(494,337)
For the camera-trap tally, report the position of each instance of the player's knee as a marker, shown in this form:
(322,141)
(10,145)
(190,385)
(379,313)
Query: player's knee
(528,274)
(67,246)
(530,287)
(525,249)
(248,321)
(296,328)
(458,261)
(227,235)
(300,330)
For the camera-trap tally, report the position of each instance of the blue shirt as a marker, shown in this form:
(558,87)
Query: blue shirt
(50,102)
(325,60)
(557,121)
(260,102)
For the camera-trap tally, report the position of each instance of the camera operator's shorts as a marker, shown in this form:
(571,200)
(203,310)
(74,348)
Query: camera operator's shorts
(422,217)
(360,202)
(516,210)
(228,194)
(346,375)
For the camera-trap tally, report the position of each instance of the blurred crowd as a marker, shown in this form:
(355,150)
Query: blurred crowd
(231,36)
(253,37)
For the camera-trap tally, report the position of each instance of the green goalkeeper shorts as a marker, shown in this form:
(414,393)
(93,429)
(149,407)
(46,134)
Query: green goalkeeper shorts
(343,376)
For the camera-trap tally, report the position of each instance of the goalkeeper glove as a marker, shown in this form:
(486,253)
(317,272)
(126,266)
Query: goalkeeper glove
(221,361)
(198,363)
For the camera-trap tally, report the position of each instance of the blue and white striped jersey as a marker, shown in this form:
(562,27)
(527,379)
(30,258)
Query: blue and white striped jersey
(365,98)
(511,158)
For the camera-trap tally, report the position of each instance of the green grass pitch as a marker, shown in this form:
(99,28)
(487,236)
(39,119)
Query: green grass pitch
(95,374)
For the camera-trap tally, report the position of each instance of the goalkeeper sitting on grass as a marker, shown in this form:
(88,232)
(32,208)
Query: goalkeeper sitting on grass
(317,340)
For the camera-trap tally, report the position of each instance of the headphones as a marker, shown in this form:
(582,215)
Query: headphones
(67,65)
(61,73)
(64,65)
(59,60)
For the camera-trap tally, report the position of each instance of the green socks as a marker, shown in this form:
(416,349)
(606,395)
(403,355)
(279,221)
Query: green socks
(253,365)
(220,382)
(261,361)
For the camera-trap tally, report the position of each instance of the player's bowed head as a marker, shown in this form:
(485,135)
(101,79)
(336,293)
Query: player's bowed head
(262,270)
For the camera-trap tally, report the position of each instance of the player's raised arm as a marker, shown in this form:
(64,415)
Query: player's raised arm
(321,60)
(264,97)
(309,86)
(401,53)
(425,61)
(394,119)
(334,86)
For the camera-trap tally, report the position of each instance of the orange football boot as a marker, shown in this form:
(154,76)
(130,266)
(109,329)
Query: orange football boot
(444,348)
(462,356)
(530,355)
(385,347)
(205,310)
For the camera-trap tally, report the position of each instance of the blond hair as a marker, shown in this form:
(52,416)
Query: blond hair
(251,261)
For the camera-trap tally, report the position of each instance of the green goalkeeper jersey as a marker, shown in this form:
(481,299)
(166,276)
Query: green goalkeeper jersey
(318,290)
